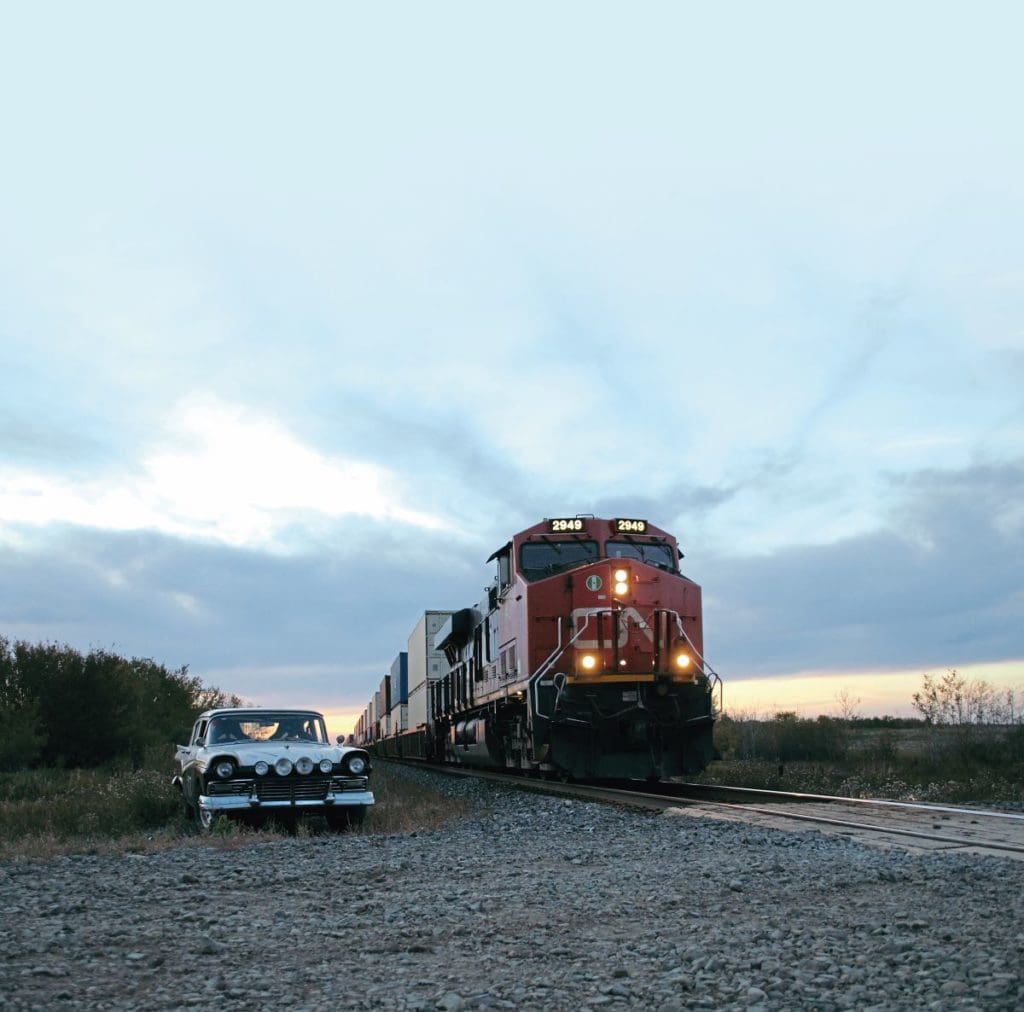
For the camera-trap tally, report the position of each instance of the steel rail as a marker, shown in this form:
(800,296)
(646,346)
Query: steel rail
(647,799)
(872,827)
(886,802)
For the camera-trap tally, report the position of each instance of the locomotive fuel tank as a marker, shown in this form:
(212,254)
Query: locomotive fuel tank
(469,744)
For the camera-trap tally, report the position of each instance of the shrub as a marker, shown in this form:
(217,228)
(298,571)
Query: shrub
(784,738)
(85,710)
(21,740)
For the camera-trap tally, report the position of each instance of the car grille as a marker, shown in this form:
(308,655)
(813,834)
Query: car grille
(230,787)
(352,784)
(292,788)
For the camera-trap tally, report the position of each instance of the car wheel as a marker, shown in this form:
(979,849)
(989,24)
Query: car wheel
(190,801)
(205,819)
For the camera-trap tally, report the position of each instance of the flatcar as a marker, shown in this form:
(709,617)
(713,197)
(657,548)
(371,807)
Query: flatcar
(584,660)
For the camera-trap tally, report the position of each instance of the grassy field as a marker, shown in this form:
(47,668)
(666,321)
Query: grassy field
(863,781)
(937,764)
(50,812)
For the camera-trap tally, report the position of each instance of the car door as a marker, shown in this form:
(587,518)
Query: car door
(188,756)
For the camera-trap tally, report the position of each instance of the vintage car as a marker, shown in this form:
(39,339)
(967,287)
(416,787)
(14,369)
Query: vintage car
(248,763)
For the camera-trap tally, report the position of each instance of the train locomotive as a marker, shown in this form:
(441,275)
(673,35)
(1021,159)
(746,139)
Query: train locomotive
(585,660)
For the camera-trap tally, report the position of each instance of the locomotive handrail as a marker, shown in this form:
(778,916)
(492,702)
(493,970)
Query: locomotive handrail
(716,681)
(550,661)
(707,667)
(560,649)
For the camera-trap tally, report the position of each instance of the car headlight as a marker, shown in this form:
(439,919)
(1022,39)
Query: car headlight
(304,765)
(326,766)
(261,769)
(356,765)
(224,769)
(283,767)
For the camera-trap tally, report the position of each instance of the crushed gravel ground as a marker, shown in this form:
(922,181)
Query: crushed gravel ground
(530,902)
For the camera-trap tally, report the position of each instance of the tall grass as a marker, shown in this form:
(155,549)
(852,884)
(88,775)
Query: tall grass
(46,812)
(922,762)
(61,806)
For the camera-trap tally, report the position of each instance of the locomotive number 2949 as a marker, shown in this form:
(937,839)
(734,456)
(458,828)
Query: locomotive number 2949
(564,525)
(624,526)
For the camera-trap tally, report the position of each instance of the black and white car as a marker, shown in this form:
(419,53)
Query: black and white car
(248,763)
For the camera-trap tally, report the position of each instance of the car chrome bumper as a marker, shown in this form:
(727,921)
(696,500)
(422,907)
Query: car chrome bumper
(247,803)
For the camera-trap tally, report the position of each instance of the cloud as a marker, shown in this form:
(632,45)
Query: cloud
(219,473)
(939,585)
(258,624)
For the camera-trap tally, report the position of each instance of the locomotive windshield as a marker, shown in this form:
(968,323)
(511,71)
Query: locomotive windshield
(540,559)
(653,553)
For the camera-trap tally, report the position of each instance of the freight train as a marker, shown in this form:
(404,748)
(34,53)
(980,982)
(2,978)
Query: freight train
(584,660)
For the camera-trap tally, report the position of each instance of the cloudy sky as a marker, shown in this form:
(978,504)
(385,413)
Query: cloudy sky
(304,309)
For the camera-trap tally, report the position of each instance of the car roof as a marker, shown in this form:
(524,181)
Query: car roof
(243,711)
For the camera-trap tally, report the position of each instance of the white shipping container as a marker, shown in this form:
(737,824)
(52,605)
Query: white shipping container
(425,660)
(417,706)
(385,725)
(399,717)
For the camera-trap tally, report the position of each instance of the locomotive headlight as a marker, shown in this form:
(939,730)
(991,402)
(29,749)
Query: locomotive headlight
(588,662)
(682,661)
(283,767)
(621,575)
(621,587)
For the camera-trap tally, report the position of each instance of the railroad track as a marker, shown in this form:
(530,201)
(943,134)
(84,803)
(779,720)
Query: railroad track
(893,823)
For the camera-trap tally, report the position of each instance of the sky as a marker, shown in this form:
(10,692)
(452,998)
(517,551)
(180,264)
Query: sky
(305,309)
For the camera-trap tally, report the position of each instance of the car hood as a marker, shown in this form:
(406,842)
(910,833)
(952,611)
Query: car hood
(250,752)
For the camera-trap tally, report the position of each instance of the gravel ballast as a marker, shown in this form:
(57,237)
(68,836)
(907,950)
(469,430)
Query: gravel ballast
(529,902)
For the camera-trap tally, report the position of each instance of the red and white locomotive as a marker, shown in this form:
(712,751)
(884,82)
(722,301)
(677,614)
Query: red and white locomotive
(584,660)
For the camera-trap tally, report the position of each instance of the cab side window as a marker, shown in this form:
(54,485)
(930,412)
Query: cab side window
(199,731)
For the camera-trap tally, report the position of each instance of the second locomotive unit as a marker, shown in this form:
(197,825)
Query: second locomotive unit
(584,660)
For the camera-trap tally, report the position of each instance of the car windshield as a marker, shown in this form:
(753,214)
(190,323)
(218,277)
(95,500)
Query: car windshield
(654,553)
(539,559)
(267,726)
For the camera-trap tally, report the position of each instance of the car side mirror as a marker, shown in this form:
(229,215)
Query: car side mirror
(340,739)
(200,742)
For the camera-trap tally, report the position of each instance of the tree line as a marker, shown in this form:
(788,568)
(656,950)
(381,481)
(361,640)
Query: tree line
(60,707)
(962,719)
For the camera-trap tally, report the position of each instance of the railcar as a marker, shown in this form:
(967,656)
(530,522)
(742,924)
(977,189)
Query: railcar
(585,659)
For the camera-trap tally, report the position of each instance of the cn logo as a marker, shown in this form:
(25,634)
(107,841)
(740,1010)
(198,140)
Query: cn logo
(585,623)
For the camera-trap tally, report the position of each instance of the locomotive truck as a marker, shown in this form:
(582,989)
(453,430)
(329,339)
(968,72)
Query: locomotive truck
(585,660)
